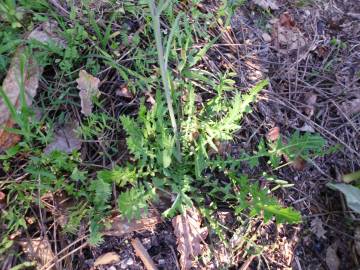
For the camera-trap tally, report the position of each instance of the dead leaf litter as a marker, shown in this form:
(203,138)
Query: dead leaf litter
(190,236)
(89,88)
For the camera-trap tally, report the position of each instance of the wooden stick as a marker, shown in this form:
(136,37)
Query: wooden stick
(142,253)
(247,263)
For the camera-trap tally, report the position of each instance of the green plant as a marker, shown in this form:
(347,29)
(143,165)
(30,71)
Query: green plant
(10,13)
(28,126)
(151,139)
(175,144)
(75,38)
(151,143)
(8,40)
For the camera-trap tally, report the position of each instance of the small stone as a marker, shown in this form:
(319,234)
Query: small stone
(126,263)
(266,37)
(130,261)
(112,268)
(161,261)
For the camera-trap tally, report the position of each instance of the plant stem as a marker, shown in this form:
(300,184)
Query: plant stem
(157,33)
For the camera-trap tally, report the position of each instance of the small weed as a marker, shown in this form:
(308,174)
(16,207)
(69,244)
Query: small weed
(337,43)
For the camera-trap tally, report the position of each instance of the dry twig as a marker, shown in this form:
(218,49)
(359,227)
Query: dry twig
(142,253)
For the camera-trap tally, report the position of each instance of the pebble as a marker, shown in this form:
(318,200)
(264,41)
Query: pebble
(126,263)
(266,37)
(130,261)
(112,268)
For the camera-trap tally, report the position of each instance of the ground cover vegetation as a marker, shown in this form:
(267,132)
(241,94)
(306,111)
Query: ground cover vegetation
(129,108)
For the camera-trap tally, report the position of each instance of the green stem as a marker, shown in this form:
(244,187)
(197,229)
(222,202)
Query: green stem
(157,33)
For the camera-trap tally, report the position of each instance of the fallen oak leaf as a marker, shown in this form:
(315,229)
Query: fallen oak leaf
(286,36)
(89,88)
(65,140)
(189,234)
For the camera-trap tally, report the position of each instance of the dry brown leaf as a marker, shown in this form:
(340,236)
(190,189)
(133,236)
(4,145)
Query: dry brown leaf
(317,228)
(107,258)
(271,4)
(189,234)
(332,260)
(310,101)
(286,36)
(65,140)
(11,85)
(286,20)
(298,164)
(124,92)
(47,32)
(351,107)
(89,88)
(273,134)
(120,226)
(38,249)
